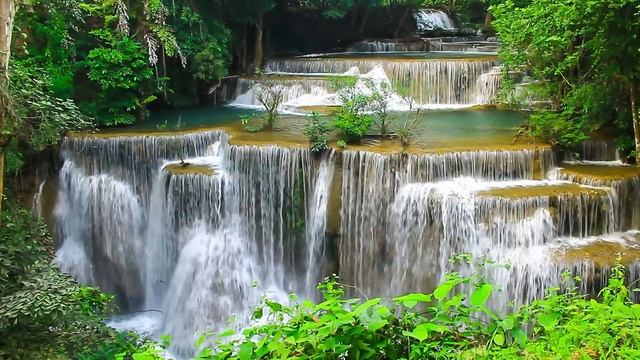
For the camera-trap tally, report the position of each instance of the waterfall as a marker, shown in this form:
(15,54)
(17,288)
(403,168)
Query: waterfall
(193,243)
(205,241)
(212,281)
(489,86)
(317,223)
(389,45)
(101,225)
(369,176)
(135,159)
(298,91)
(431,19)
(625,188)
(429,81)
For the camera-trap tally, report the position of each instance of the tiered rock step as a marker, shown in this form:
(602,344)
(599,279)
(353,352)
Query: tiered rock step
(602,251)
(623,179)
(600,172)
(544,189)
(177,169)
(576,210)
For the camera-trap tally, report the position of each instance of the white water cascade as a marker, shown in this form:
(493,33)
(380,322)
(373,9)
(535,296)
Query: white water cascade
(209,242)
(201,242)
(431,19)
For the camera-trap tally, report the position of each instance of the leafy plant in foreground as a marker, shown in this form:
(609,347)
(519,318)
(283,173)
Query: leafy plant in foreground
(452,322)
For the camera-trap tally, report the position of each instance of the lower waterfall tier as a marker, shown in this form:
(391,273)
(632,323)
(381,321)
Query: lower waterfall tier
(203,237)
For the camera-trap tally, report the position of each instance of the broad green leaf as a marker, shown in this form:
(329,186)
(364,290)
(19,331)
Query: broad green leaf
(226,333)
(507,323)
(421,332)
(499,339)
(481,294)
(443,290)
(376,324)
(549,320)
(411,300)
(364,306)
(520,336)
(245,351)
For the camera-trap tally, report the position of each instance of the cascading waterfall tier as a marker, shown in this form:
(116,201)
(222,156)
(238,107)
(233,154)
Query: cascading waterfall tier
(190,238)
(432,19)
(623,180)
(369,176)
(135,159)
(429,81)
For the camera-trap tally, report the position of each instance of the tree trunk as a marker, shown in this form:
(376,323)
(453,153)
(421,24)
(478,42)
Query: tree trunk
(243,50)
(636,118)
(401,23)
(7,15)
(363,24)
(258,50)
(488,20)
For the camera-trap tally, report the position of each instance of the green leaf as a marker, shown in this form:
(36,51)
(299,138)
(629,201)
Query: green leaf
(507,323)
(499,339)
(226,333)
(549,320)
(481,295)
(245,351)
(411,300)
(421,332)
(520,336)
(376,324)
(443,290)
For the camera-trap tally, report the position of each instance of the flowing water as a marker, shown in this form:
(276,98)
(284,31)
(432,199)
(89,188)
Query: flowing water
(189,229)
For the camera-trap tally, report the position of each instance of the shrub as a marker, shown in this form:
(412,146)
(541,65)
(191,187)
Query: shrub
(44,314)
(352,119)
(270,93)
(317,129)
(452,322)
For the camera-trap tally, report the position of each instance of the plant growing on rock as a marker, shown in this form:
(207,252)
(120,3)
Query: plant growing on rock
(380,99)
(352,119)
(270,94)
(317,130)
(405,133)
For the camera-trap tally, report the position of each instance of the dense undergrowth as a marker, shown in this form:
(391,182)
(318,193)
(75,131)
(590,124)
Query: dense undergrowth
(44,314)
(452,322)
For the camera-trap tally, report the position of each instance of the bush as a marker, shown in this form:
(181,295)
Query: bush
(317,129)
(121,71)
(352,119)
(44,314)
(444,324)
(558,128)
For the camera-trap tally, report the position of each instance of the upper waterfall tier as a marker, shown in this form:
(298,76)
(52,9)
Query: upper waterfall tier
(448,80)
(432,19)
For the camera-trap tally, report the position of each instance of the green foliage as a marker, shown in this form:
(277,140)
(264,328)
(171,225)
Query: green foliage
(558,128)
(211,63)
(270,94)
(39,116)
(44,314)
(317,129)
(121,71)
(352,119)
(452,322)
(581,54)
